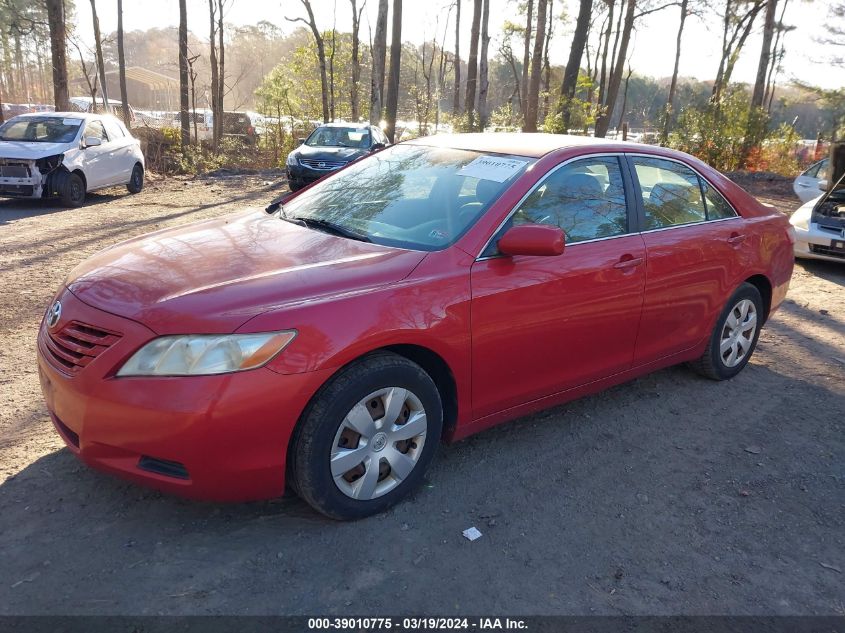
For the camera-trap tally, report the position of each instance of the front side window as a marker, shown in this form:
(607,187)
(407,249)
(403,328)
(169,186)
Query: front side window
(671,193)
(409,196)
(585,198)
(114,129)
(95,128)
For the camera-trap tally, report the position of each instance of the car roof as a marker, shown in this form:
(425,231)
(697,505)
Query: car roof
(344,124)
(533,145)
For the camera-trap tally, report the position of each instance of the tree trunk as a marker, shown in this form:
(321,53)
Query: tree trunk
(331,64)
(603,120)
(321,56)
(547,69)
(472,65)
(573,64)
(99,47)
(765,55)
(456,104)
(624,99)
(777,52)
(221,75)
(605,51)
(673,85)
(526,56)
(183,75)
(533,100)
(392,100)
(121,65)
(379,55)
(484,83)
(356,62)
(215,77)
(56,23)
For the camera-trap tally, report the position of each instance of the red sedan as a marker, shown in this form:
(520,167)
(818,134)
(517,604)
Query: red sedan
(424,293)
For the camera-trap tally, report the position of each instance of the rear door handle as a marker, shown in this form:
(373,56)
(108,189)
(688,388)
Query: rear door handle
(735,238)
(628,262)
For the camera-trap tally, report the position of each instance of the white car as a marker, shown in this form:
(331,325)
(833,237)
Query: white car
(820,227)
(66,155)
(809,184)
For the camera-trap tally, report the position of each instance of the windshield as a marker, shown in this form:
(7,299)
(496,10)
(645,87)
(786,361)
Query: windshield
(410,196)
(40,130)
(339,137)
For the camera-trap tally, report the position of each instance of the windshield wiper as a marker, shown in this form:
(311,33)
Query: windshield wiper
(328,226)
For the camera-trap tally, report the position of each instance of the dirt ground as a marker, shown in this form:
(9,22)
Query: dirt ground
(671,494)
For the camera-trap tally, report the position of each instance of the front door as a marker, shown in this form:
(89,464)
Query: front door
(541,325)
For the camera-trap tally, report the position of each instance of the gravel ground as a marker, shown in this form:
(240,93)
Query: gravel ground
(669,495)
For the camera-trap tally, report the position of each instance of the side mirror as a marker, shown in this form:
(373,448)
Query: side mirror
(823,185)
(300,141)
(377,146)
(92,141)
(532,239)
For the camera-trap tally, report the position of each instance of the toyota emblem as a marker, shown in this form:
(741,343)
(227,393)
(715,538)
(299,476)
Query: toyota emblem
(54,314)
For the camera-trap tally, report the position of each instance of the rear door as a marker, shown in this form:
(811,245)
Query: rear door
(541,325)
(122,154)
(696,247)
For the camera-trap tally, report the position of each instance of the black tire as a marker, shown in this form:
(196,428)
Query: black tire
(712,364)
(315,435)
(136,180)
(295,185)
(73,191)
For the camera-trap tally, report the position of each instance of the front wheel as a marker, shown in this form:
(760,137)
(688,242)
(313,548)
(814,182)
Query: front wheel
(73,190)
(368,437)
(136,181)
(735,336)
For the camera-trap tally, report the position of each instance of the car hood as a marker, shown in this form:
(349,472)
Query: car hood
(329,153)
(30,151)
(213,276)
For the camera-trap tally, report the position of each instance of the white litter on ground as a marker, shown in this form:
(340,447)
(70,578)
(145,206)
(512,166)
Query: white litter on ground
(471,533)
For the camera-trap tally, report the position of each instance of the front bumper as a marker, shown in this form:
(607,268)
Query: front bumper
(815,243)
(217,438)
(20,179)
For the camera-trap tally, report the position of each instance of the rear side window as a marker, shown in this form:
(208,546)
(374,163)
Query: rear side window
(671,193)
(585,198)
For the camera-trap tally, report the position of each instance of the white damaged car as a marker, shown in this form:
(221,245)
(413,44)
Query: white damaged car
(820,226)
(67,154)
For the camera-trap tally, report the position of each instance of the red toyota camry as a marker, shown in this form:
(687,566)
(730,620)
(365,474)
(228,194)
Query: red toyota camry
(421,294)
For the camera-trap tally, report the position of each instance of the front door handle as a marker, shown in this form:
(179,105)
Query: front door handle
(735,239)
(627,262)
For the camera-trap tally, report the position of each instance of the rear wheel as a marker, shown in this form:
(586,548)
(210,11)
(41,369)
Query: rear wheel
(73,190)
(136,181)
(368,437)
(735,336)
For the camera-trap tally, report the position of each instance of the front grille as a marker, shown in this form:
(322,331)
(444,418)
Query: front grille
(323,165)
(163,467)
(826,250)
(76,345)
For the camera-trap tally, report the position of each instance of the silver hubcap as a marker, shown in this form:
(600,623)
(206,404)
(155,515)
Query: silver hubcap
(379,443)
(738,333)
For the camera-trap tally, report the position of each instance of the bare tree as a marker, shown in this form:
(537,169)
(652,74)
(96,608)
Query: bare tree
(379,53)
(221,75)
(673,85)
(615,80)
(321,54)
(533,99)
(99,46)
(484,83)
(121,65)
(356,60)
(456,103)
(547,67)
(392,100)
(183,75)
(526,56)
(472,65)
(573,64)
(738,20)
(331,63)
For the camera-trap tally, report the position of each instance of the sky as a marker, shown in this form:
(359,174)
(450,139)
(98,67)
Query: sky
(653,42)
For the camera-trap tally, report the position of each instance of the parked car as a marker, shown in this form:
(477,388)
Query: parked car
(807,186)
(240,125)
(115,107)
(820,226)
(426,292)
(330,147)
(65,155)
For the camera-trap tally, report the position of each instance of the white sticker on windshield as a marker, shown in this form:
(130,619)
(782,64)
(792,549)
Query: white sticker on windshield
(493,168)
(75,122)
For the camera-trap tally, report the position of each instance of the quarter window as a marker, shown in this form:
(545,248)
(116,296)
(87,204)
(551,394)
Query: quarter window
(585,198)
(717,207)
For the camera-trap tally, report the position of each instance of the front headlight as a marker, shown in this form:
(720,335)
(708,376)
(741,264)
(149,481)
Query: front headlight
(292,159)
(801,218)
(204,354)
